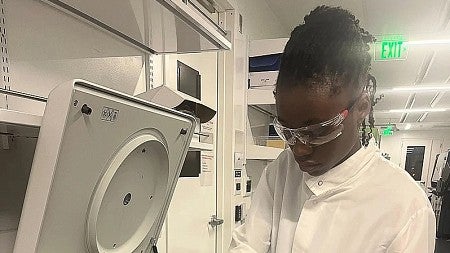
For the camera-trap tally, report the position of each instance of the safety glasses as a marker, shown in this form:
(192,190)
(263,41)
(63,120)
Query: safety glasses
(317,134)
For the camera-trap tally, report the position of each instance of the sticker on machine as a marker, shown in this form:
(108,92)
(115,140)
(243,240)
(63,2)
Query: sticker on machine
(109,114)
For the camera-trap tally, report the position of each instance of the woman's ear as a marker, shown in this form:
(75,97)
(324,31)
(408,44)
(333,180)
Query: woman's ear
(363,107)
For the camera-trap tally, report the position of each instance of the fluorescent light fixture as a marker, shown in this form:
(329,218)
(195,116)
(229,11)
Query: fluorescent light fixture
(428,42)
(408,126)
(423,88)
(418,110)
(423,117)
(415,88)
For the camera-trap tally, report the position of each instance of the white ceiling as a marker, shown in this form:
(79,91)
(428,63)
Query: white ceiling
(425,64)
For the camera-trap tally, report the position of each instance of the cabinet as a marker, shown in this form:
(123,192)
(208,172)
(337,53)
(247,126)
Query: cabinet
(264,57)
(261,105)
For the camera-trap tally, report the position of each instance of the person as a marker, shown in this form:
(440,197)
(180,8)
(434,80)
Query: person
(332,191)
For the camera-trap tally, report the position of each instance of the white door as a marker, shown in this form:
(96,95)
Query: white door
(193,204)
(187,228)
(416,155)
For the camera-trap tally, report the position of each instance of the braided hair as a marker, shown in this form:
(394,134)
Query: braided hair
(371,88)
(328,52)
(329,49)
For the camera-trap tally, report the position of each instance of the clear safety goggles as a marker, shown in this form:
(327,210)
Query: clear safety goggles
(314,135)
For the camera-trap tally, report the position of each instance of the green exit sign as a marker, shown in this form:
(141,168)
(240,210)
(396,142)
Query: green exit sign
(390,48)
(389,130)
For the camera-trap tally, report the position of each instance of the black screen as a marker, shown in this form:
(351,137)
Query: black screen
(188,80)
(191,166)
(414,161)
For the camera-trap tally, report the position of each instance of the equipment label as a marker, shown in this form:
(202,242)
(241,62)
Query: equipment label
(109,114)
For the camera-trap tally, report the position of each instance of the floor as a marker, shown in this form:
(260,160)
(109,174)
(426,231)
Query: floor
(442,246)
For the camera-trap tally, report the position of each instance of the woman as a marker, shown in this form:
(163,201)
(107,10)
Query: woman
(329,193)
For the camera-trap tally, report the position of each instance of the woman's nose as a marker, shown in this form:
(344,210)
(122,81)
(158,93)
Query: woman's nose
(300,149)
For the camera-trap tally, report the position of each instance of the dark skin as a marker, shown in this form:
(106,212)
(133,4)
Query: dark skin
(299,106)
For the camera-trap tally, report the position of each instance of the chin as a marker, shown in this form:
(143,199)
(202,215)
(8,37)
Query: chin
(316,173)
(313,170)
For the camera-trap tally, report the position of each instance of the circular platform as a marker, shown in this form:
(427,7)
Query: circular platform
(129,196)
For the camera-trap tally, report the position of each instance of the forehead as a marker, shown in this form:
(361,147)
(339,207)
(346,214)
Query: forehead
(299,106)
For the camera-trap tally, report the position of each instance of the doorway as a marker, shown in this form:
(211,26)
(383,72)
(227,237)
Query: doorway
(416,155)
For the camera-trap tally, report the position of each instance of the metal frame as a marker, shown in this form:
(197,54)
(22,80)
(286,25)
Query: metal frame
(194,18)
(198,23)
(4,52)
(23,95)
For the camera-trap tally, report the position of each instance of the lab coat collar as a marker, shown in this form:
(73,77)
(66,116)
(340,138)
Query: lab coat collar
(341,173)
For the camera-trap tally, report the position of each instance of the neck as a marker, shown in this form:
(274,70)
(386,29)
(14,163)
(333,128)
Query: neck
(353,150)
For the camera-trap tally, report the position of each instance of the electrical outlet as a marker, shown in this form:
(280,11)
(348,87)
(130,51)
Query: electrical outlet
(237,186)
(238,213)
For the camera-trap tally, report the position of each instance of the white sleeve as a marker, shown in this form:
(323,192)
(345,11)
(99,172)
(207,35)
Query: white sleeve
(254,235)
(418,235)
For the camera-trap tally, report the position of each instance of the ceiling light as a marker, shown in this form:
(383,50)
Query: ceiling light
(408,126)
(422,88)
(418,110)
(428,42)
(415,88)
(423,117)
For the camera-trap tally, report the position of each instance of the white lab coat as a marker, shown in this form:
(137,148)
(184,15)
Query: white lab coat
(366,204)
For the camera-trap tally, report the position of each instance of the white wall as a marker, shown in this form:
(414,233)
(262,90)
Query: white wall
(40,59)
(259,21)
(393,144)
(205,63)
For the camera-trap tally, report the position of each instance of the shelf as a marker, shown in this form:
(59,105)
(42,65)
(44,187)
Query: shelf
(168,21)
(199,146)
(260,97)
(255,152)
(9,220)
(19,118)
(267,46)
